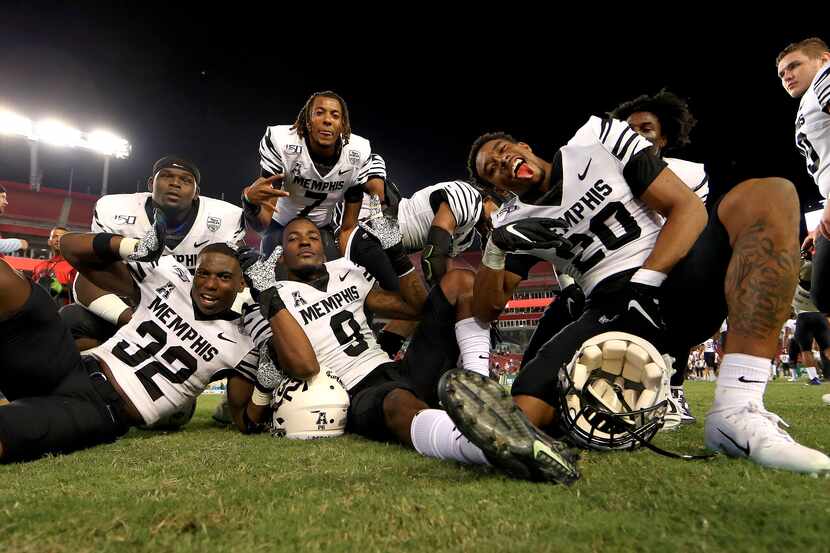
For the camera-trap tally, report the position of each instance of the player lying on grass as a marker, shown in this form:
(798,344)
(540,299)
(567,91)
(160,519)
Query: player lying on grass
(181,336)
(394,400)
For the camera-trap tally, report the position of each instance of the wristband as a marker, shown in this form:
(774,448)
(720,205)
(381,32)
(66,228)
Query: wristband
(649,277)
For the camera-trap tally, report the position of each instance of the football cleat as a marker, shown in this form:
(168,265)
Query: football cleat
(752,432)
(485,413)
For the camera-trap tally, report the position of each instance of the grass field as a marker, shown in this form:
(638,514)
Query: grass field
(212,489)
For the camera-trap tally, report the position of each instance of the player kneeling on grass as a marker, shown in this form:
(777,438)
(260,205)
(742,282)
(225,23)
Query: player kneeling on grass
(181,336)
(392,401)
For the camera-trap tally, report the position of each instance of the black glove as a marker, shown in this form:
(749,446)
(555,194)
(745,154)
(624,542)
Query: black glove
(574,299)
(639,312)
(151,245)
(390,342)
(260,276)
(533,233)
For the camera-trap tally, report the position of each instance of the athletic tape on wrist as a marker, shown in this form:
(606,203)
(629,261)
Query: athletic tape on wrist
(108,307)
(493,257)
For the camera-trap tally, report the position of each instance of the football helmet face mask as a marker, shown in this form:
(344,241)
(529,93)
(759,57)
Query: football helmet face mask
(313,408)
(614,392)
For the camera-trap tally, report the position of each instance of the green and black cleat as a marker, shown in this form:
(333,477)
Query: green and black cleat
(485,413)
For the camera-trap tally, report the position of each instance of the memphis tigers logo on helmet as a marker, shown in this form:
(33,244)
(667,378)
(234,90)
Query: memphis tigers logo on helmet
(166,355)
(610,228)
(812,129)
(312,195)
(216,221)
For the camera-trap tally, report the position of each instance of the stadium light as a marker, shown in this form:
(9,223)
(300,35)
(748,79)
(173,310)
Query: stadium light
(51,131)
(15,124)
(108,144)
(56,133)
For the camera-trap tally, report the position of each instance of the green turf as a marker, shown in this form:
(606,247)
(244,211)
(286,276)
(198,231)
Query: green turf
(212,489)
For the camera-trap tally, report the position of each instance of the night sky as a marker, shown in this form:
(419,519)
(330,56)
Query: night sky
(205,86)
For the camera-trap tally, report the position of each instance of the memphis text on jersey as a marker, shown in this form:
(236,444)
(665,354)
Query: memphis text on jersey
(325,306)
(182,329)
(590,201)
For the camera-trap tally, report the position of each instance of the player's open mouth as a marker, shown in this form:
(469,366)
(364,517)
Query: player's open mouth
(521,169)
(207,300)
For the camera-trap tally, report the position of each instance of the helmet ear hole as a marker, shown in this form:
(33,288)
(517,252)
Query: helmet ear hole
(313,408)
(613,393)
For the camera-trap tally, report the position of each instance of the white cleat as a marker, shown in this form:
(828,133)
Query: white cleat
(752,432)
(674,415)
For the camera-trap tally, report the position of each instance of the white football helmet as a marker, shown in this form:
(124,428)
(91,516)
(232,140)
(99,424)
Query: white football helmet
(613,394)
(313,408)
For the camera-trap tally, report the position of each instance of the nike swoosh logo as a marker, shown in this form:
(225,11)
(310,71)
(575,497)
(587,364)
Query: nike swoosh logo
(514,232)
(744,380)
(636,305)
(728,437)
(585,172)
(200,244)
(484,357)
(344,171)
(343,277)
(571,303)
(226,339)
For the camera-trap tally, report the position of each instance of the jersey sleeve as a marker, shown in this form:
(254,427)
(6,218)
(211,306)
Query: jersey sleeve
(239,232)
(270,159)
(255,325)
(464,202)
(247,367)
(822,88)
(619,139)
(98,215)
(374,167)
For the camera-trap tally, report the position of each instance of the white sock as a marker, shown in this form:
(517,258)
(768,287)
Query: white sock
(811,372)
(474,343)
(742,378)
(435,435)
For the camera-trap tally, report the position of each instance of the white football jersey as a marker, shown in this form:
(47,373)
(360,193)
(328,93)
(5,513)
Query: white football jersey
(812,129)
(709,346)
(283,152)
(611,230)
(216,221)
(692,174)
(334,320)
(166,355)
(415,214)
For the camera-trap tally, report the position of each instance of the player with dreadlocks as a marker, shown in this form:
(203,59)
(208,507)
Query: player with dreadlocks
(319,162)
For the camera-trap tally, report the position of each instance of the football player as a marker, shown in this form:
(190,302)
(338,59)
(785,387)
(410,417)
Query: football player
(804,70)
(182,335)
(596,212)
(440,222)
(194,221)
(318,161)
(393,400)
